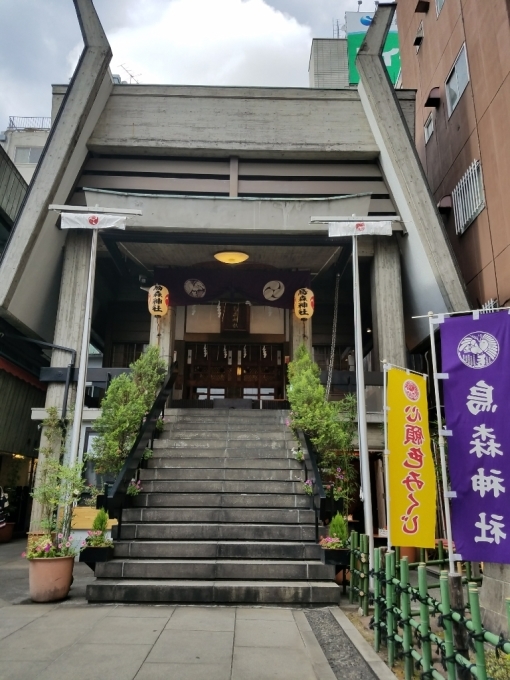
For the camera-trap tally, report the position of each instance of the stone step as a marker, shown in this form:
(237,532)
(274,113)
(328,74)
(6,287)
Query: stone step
(214,592)
(238,570)
(227,435)
(216,532)
(223,486)
(231,444)
(225,426)
(228,452)
(193,462)
(232,474)
(199,550)
(233,414)
(213,515)
(220,500)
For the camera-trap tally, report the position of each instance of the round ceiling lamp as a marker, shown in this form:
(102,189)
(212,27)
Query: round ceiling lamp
(231,257)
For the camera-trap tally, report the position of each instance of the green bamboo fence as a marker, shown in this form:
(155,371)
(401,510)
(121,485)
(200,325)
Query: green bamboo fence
(402,614)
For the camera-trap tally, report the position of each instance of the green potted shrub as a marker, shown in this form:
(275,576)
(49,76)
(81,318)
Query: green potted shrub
(97,547)
(51,555)
(335,547)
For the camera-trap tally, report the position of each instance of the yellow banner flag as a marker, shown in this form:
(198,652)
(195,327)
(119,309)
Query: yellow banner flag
(411,473)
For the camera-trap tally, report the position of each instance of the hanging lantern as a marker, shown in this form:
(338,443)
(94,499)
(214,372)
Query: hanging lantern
(159,300)
(304,303)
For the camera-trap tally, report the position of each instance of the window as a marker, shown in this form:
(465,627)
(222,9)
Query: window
(28,154)
(439,6)
(457,81)
(419,37)
(468,198)
(428,128)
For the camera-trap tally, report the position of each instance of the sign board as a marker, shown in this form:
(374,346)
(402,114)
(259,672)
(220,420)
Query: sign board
(476,357)
(357,24)
(411,472)
(92,221)
(359,229)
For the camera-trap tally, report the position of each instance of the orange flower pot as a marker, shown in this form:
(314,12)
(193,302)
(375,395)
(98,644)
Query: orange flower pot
(50,578)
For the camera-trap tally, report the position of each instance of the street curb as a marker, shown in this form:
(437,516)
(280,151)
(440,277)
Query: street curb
(377,665)
(319,661)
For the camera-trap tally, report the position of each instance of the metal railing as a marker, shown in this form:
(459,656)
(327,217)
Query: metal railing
(31,123)
(116,499)
(312,472)
(402,615)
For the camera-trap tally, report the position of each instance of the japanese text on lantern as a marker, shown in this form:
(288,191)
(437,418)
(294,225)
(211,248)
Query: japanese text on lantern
(488,480)
(412,487)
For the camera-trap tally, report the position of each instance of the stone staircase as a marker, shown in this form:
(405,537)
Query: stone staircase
(222,519)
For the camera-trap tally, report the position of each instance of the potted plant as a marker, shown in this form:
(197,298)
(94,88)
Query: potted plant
(51,556)
(97,547)
(335,547)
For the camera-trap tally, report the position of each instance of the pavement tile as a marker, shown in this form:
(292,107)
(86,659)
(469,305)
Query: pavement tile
(92,661)
(268,634)
(130,631)
(30,644)
(180,671)
(271,663)
(203,618)
(21,670)
(141,612)
(264,614)
(192,647)
(81,617)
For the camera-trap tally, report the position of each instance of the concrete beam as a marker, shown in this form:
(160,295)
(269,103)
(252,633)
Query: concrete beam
(431,274)
(31,260)
(230,121)
(238,215)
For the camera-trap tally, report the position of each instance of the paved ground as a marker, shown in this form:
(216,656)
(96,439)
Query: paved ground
(86,642)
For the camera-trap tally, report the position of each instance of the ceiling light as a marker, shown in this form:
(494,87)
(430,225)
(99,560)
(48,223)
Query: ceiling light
(231,257)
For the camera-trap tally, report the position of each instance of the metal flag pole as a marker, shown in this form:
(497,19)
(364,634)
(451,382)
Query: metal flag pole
(362,413)
(84,354)
(386,452)
(446,493)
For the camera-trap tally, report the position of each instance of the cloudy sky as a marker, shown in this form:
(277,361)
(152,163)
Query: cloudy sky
(210,42)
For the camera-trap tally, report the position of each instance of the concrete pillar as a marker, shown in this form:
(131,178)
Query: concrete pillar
(387,304)
(163,335)
(300,332)
(68,331)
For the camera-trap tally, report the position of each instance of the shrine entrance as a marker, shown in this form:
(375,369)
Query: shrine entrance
(234,371)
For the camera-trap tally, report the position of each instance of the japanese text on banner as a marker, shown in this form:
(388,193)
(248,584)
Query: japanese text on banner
(476,399)
(412,479)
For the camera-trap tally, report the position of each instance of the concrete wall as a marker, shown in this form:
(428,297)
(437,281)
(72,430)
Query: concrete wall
(24,138)
(251,121)
(329,66)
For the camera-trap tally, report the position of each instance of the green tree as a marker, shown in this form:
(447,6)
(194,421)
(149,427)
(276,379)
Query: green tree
(128,399)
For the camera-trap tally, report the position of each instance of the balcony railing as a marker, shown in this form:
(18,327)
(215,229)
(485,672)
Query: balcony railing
(24,123)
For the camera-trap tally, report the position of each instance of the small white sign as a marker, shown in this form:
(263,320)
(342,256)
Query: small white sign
(92,221)
(359,228)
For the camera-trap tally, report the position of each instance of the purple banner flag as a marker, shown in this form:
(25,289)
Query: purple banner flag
(476,357)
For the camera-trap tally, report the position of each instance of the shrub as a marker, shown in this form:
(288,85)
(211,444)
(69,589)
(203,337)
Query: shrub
(128,399)
(331,426)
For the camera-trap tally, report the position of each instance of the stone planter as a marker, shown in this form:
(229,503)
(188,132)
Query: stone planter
(338,557)
(93,555)
(6,532)
(50,578)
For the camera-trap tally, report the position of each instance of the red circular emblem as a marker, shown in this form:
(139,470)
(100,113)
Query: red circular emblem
(93,219)
(360,226)
(411,390)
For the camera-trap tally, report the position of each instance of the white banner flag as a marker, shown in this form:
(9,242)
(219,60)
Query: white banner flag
(359,228)
(92,221)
